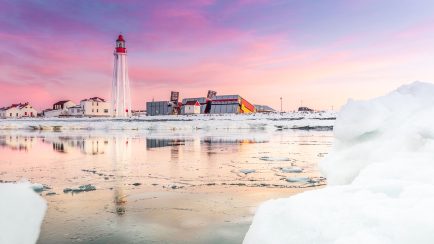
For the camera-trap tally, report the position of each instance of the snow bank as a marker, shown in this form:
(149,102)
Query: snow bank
(274,121)
(380,174)
(21,213)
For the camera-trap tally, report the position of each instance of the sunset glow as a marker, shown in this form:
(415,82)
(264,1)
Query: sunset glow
(315,53)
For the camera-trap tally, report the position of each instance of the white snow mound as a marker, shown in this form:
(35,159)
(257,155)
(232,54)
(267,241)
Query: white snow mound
(21,213)
(380,174)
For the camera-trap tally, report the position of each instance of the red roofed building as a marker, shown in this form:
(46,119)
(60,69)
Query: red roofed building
(192,107)
(18,111)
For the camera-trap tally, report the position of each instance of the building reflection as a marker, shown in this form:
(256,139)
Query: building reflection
(17,142)
(156,143)
(86,145)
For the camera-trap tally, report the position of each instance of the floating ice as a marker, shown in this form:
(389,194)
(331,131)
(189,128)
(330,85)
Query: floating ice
(267,158)
(21,213)
(247,171)
(380,174)
(293,169)
(298,179)
(37,187)
(82,188)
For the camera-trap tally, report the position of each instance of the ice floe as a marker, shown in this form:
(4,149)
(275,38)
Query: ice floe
(293,169)
(82,188)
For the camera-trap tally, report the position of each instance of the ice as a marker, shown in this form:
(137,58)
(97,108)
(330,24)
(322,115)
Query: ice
(21,213)
(206,122)
(292,169)
(267,158)
(380,176)
(37,187)
(82,188)
(298,179)
(247,171)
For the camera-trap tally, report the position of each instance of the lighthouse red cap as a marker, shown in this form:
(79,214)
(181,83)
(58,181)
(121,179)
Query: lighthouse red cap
(120,45)
(120,38)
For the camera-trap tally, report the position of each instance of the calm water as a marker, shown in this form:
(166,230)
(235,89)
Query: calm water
(160,187)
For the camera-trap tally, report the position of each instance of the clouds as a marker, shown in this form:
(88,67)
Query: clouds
(285,47)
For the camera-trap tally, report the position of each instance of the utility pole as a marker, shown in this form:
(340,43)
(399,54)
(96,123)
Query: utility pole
(281,105)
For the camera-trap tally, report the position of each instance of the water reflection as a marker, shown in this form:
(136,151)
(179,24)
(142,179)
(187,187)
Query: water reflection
(155,142)
(159,187)
(86,145)
(120,156)
(17,142)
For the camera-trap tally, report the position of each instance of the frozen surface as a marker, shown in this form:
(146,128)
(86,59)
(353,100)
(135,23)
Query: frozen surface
(21,213)
(381,180)
(273,121)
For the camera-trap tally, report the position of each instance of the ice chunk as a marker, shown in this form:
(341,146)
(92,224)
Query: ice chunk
(380,175)
(267,158)
(298,179)
(37,187)
(21,213)
(293,169)
(82,188)
(247,171)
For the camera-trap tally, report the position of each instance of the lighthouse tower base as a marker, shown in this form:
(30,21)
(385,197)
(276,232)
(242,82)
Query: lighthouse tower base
(121,98)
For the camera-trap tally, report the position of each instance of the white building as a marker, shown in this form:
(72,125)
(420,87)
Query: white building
(95,106)
(75,111)
(18,111)
(59,109)
(192,107)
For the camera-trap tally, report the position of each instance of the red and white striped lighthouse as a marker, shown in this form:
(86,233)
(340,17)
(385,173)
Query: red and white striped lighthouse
(121,98)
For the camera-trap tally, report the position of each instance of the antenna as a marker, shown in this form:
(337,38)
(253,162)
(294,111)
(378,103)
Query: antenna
(281,109)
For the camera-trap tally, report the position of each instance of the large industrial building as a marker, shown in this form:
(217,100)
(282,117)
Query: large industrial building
(159,108)
(212,104)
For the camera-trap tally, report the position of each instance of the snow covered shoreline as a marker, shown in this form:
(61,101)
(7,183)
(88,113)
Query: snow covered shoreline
(273,121)
(380,175)
(21,213)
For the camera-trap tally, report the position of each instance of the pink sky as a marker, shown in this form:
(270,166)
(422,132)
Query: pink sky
(319,53)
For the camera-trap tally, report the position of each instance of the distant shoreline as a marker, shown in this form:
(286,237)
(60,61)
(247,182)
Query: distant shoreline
(271,121)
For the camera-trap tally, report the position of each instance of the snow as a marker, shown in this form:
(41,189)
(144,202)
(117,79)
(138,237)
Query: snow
(272,121)
(380,175)
(21,213)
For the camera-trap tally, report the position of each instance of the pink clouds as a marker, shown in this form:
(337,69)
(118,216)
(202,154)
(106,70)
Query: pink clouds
(248,46)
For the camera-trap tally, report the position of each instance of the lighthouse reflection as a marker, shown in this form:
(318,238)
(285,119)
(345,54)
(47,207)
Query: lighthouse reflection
(120,156)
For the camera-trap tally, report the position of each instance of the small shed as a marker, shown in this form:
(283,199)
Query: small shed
(192,107)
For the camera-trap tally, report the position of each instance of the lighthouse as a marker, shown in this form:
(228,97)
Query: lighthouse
(121,97)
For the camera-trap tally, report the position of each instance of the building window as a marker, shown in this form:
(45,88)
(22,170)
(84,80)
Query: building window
(92,103)
(96,103)
(25,113)
(105,110)
(10,115)
(16,114)
(92,110)
(97,109)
